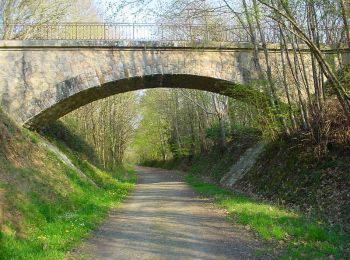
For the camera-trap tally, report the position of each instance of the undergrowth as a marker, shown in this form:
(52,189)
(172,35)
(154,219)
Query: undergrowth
(288,173)
(296,236)
(215,163)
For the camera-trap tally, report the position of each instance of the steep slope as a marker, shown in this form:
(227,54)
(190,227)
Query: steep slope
(49,200)
(288,173)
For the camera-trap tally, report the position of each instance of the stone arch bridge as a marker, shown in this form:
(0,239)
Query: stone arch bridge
(40,81)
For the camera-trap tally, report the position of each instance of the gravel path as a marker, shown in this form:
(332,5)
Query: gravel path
(164,219)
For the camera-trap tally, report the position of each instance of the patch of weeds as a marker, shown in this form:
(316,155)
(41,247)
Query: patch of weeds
(33,137)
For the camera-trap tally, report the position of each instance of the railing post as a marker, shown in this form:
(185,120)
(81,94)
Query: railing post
(162,28)
(190,26)
(133,31)
(208,33)
(104,31)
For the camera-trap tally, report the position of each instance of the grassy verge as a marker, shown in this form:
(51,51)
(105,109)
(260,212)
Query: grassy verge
(49,207)
(53,229)
(297,236)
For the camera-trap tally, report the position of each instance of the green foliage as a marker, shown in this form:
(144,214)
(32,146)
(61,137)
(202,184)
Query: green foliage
(178,123)
(152,136)
(257,104)
(33,137)
(215,163)
(298,237)
(245,135)
(213,133)
(249,95)
(101,130)
(344,77)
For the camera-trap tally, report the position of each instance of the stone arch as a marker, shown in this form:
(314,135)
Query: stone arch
(41,81)
(70,98)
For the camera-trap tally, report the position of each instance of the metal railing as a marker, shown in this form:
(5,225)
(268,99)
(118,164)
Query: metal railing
(144,32)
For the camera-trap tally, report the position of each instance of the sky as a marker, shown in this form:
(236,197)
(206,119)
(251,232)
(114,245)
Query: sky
(110,11)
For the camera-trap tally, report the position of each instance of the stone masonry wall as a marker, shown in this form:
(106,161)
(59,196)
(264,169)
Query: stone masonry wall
(42,83)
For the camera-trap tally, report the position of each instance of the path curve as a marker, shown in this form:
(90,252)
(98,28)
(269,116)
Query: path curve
(164,219)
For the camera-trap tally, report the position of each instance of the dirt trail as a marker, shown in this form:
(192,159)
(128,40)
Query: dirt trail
(165,219)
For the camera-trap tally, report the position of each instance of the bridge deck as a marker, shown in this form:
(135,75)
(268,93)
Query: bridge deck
(161,45)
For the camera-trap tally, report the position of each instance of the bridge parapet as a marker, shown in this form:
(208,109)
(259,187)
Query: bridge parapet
(147,32)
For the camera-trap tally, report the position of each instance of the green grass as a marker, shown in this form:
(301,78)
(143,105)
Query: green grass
(53,228)
(299,237)
(49,207)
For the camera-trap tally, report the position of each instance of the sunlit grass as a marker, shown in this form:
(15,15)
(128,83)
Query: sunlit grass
(53,229)
(299,237)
